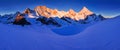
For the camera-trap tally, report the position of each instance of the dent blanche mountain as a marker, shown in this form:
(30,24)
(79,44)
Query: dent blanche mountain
(47,16)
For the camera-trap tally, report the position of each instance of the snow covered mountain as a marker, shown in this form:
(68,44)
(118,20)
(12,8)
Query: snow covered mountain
(47,16)
(30,13)
(47,12)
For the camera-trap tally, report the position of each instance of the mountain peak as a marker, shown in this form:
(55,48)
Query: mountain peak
(43,11)
(71,11)
(85,7)
(86,10)
(84,13)
(41,8)
(27,11)
(27,8)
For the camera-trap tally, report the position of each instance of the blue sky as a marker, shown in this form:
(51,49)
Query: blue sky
(107,8)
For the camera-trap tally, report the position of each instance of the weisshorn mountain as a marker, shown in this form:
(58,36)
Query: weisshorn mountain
(46,16)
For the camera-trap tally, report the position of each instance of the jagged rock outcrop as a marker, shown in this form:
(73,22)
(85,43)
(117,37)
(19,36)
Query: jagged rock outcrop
(20,20)
(48,21)
(30,13)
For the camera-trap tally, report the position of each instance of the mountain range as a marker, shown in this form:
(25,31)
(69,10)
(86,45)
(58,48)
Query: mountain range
(50,29)
(47,16)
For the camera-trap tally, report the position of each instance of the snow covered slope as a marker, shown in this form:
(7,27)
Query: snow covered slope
(101,36)
(34,38)
(104,35)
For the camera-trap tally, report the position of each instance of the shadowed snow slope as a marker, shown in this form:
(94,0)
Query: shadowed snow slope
(71,29)
(33,38)
(101,36)
(104,35)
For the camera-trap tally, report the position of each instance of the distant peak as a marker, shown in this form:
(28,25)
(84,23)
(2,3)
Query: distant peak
(84,7)
(27,11)
(71,10)
(85,10)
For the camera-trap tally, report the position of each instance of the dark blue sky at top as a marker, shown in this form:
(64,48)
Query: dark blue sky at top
(107,8)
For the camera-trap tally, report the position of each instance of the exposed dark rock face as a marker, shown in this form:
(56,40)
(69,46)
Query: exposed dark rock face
(20,20)
(48,21)
(42,20)
(28,11)
(65,19)
(53,22)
